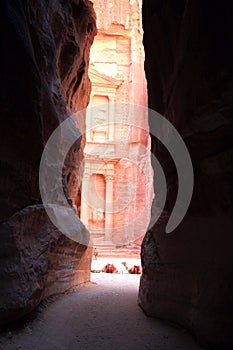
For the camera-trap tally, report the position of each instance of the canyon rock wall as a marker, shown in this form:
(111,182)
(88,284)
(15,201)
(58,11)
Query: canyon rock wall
(44,63)
(187,274)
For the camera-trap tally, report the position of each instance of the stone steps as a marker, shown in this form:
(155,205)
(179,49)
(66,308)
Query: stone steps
(127,251)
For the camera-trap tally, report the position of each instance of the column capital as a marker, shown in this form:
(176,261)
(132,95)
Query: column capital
(111,98)
(109,178)
(86,176)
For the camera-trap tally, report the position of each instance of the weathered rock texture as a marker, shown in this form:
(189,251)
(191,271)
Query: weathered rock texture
(187,275)
(44,61)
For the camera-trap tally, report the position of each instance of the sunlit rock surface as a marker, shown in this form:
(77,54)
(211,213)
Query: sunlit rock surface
(117,153)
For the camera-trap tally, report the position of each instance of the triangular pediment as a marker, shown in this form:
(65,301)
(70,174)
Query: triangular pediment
(98,78)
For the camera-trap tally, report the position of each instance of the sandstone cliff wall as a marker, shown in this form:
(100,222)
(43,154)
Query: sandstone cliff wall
(44,61)
(187,275)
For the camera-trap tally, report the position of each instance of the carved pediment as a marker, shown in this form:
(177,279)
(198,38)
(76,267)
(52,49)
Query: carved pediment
(100,79)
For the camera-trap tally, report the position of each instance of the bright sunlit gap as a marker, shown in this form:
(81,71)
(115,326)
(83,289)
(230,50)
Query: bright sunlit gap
(117,182)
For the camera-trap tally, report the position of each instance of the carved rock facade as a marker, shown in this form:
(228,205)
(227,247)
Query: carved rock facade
(118,185)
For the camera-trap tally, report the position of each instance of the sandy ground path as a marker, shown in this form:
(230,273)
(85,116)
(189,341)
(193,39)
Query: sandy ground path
(99,315)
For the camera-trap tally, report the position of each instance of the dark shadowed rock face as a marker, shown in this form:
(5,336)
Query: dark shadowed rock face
(187,275)
(44,60)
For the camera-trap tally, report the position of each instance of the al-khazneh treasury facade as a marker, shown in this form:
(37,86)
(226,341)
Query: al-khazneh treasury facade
(116,192)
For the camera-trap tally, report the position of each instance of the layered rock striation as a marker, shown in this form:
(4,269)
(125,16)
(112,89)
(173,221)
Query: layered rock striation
(187,274)
(44,77)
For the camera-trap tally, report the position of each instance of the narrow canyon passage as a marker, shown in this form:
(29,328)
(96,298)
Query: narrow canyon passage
(99,315)
(59,58)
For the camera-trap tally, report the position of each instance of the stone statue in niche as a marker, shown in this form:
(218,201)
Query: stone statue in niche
(101,116)
(98,215)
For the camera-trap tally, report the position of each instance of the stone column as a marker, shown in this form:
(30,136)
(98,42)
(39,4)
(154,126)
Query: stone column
(88,121)
(111,119)
(85,199)
(109,207)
